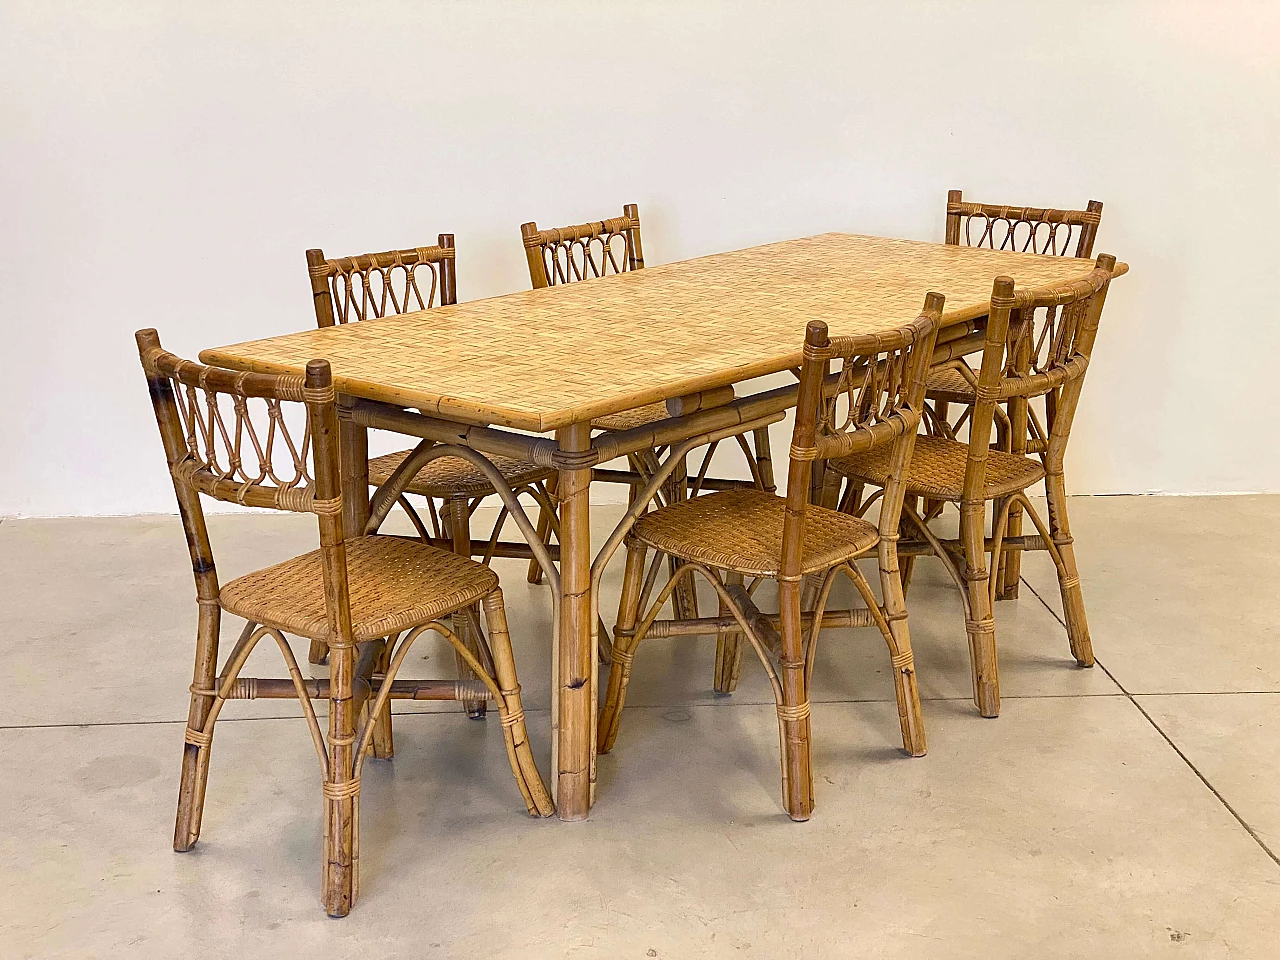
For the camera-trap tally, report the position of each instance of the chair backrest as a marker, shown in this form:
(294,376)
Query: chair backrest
(228,435)
(378,284)
(565,254)
(1038,343)
(1024,229)
(875,398)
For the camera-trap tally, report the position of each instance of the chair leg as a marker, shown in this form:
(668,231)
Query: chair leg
(981,627)
(543,528)
(793,708)
(1068,572)
(341,790)
(908,564)
(625,642)
(898,637)
(458,520)
(1010,572)
(195,751)
(528,779)
(728,647)
(764,459)
(384,744)
(684,600)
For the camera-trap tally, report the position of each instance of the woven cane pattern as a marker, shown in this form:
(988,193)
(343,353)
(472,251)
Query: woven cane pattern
(937,469)
(396,583)
(741,530)
(454,477)
(948,383)
(604,346)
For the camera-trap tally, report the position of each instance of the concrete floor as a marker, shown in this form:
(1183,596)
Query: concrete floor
(1125,811)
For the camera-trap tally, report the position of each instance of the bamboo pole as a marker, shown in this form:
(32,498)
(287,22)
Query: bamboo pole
(576,659)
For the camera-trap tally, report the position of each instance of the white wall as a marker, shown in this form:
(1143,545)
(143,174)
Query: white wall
(166,164)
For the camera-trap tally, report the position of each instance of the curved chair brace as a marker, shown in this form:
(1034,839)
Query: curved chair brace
(1051,547)
(700,478)
(819,608)
(756,476)
(418,525)
(711,577)
(613,705)
(640,503)
(429,450)
(999,527)
(941,553)
(249,638)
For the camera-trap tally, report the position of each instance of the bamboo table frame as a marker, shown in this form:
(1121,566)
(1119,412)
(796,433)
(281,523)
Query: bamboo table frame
(552,360)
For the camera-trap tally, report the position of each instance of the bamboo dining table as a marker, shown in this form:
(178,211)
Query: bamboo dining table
(495,376)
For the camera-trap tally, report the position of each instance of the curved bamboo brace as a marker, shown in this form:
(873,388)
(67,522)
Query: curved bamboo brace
(941,553)
(1045,534)
(819,608)
(866,504)
(429,450)
(640,503)
(756,476)
(724,595)
(999,527)
(231,672)
(416,520)
(393,668)
(698,481)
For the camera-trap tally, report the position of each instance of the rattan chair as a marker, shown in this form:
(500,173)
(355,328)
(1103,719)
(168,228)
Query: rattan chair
(228,435)
(557,256)
(1066,233)
(730,537)
(1037,344)
(399,281)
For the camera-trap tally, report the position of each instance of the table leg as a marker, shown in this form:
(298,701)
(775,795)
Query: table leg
(576,703)
(353,464)
(353,452)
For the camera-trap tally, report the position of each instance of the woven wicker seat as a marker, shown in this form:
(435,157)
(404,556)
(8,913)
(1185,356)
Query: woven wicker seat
(367,599)
(741,530)
(948,384)
(639,417)
(938,468)
(396,584)
(454,477)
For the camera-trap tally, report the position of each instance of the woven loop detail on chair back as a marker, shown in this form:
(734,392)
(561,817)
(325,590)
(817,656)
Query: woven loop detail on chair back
(871,401)
(1038,344)
(1065,233)
(246,438)
(383,284)
(559,255)
(1050,336)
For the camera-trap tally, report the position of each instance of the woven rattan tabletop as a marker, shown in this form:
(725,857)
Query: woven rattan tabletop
(543,359)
